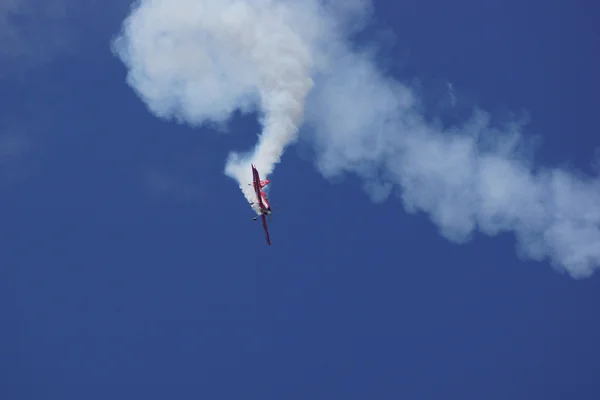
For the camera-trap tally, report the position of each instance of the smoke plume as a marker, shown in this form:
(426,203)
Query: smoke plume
(200,60)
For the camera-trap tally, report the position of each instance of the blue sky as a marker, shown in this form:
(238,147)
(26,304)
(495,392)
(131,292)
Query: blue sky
(131,266)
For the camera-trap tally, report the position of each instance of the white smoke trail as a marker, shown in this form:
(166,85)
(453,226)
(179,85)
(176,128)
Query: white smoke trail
(199,60)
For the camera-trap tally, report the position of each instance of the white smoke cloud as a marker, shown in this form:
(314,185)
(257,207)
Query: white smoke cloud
(199,60)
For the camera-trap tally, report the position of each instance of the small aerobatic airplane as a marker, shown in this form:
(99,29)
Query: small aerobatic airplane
(262,202)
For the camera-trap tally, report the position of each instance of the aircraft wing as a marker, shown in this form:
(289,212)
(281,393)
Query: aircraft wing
(256,184)
(264,223)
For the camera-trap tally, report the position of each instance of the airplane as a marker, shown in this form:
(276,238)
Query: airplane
(262,201)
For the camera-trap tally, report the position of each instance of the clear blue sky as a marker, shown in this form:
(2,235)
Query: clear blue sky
(130,266)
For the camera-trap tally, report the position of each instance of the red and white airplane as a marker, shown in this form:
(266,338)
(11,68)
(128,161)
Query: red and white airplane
(262,201)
